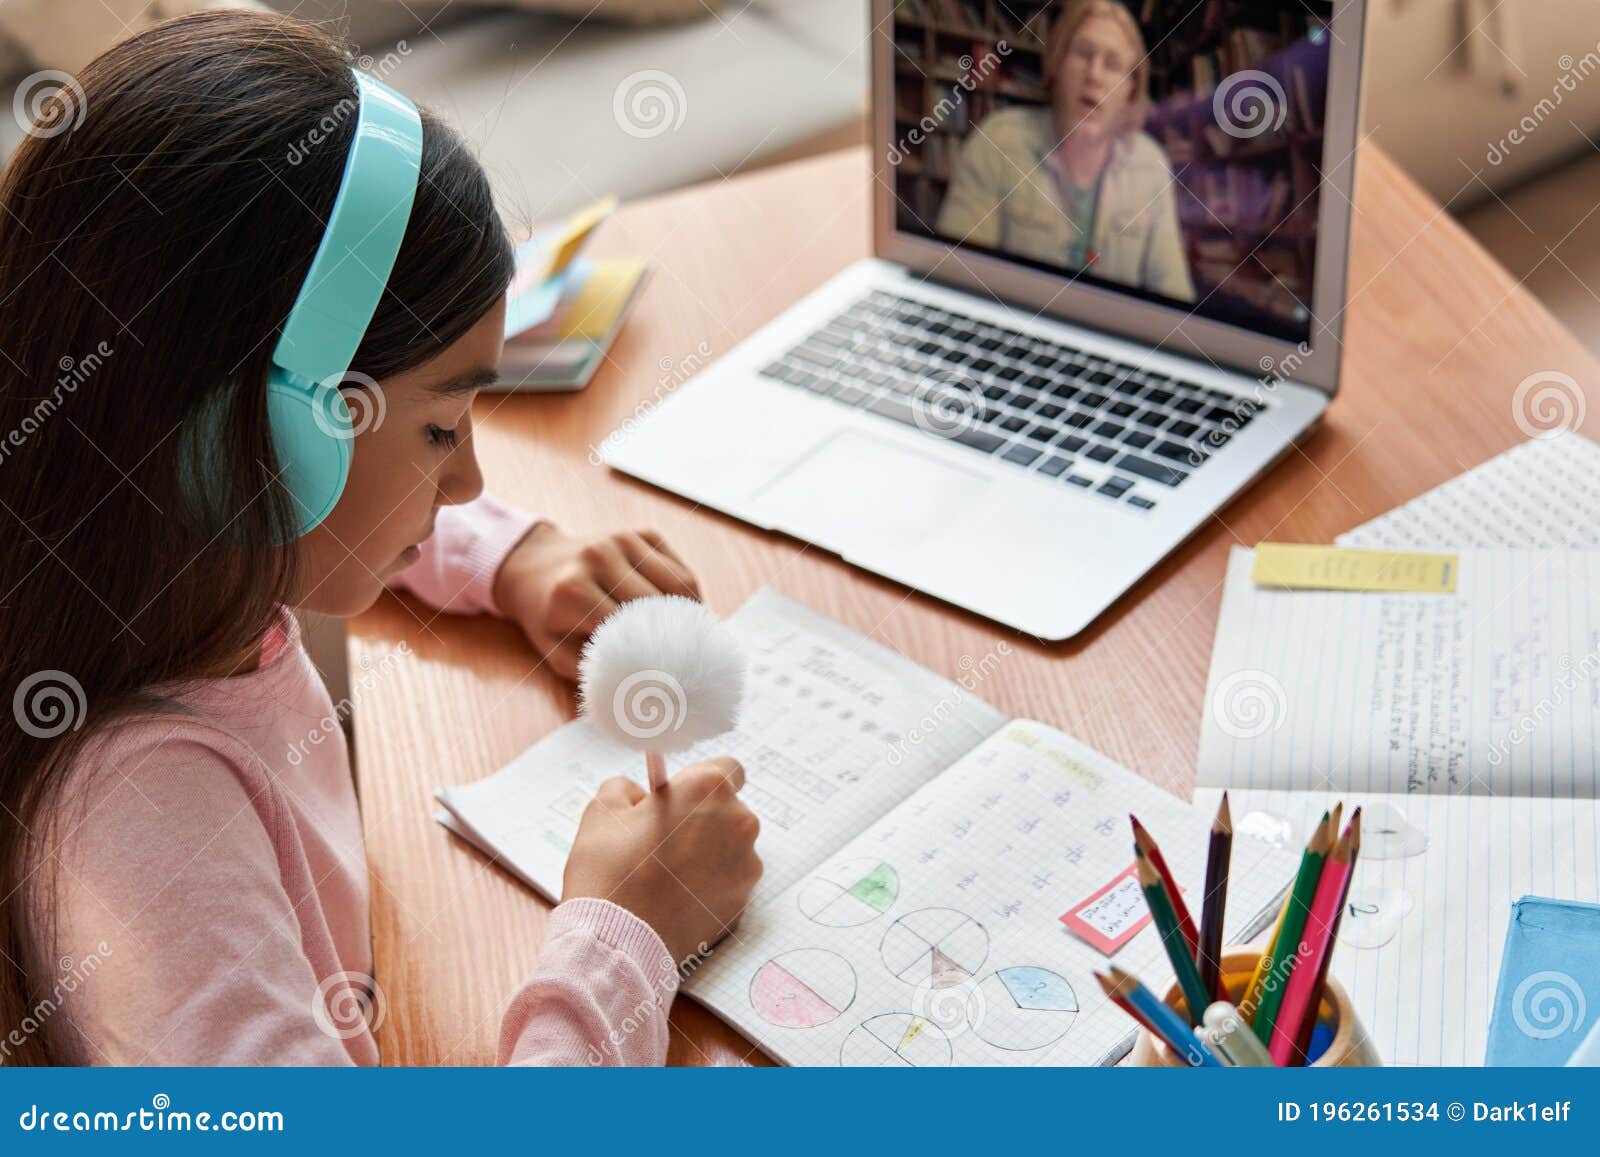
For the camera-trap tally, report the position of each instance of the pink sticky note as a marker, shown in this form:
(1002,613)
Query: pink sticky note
(1112,916)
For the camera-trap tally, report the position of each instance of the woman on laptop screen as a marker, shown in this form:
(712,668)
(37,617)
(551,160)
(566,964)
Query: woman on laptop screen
(1077,184)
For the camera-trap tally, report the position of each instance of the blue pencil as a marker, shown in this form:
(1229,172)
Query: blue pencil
(1166,1023)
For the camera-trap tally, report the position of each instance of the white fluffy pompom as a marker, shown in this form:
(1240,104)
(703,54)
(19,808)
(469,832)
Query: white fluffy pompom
(661,674)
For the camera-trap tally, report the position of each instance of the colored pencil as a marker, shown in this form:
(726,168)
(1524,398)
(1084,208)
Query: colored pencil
(1282,964)
(1168,1025)
(1144,844)
(1166,920)
(1213,905)
(1232,1038)
(1122,1002)
(1309,1024)
(1251,1000)
(1314,946)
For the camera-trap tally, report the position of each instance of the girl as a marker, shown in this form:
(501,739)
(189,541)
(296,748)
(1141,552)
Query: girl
(154,821)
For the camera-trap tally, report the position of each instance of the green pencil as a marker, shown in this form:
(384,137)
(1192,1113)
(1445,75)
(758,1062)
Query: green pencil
(1286,945)
(1166,918)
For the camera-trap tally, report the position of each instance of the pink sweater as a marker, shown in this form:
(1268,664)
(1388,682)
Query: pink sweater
(210,887)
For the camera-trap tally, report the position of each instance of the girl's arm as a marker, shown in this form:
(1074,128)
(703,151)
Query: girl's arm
(486,556)
(226,917)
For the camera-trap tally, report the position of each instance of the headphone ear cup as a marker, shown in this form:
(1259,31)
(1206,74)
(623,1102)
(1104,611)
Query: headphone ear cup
(311,433)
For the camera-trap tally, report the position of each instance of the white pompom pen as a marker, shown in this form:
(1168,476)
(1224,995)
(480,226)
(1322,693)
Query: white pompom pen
(660,675)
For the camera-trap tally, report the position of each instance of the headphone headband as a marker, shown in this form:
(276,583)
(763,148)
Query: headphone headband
(362,239)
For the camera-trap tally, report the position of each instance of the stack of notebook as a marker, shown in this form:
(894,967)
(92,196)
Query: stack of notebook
(565,310)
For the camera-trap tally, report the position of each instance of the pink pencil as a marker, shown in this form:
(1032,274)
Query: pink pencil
(1304,992)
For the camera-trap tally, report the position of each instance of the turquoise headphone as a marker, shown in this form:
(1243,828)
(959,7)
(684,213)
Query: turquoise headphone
(311,425)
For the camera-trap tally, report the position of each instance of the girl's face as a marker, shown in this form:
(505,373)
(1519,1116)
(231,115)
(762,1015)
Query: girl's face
(1095,83)
(412,455)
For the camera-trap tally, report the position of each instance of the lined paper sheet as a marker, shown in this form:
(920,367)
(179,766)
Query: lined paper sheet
(934,938)
(835,730)
(1421,940)
(1492,689)
(1544,494)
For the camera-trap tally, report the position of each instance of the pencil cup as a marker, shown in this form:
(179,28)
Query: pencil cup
(1349,1048)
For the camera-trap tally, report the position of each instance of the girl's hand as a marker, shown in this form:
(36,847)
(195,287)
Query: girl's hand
(560,587)
(682,859)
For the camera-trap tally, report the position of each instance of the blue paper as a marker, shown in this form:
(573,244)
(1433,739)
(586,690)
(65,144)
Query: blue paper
(1548,998)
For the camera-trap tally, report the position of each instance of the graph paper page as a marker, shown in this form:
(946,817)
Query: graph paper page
(1421,939)
(1543,494)
(835,730)
(934,938)
(1494,689)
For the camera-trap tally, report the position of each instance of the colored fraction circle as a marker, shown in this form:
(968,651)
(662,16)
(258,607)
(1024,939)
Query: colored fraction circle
(850,893)
(895,1039)
(938,946)
(803,988)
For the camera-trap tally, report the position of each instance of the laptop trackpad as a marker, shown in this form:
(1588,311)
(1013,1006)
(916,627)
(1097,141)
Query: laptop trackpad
(853,489)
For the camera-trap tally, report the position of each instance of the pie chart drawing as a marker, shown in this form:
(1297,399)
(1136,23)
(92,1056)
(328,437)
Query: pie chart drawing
(1022,1008)
(803,989)
(850,893)
(940,946)
(895,1038)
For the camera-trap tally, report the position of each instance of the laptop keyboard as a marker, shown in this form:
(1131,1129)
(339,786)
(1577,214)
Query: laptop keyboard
(1127,434)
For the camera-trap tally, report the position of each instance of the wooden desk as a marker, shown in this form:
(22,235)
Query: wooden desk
(1438,337)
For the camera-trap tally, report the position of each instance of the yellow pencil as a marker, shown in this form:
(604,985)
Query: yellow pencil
(1251,1000)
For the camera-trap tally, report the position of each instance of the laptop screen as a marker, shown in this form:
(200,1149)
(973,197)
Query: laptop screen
(1170,150)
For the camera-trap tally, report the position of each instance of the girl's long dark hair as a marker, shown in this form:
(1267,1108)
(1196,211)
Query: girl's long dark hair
(154,230)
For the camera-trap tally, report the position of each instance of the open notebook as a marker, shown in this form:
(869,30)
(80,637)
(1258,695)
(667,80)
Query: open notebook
(921,851)
(1494,688)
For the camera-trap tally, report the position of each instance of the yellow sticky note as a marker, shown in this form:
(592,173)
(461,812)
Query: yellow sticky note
(604,295)
(1332,568)
(576,231)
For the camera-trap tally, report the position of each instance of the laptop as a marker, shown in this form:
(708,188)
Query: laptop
(1110,243)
